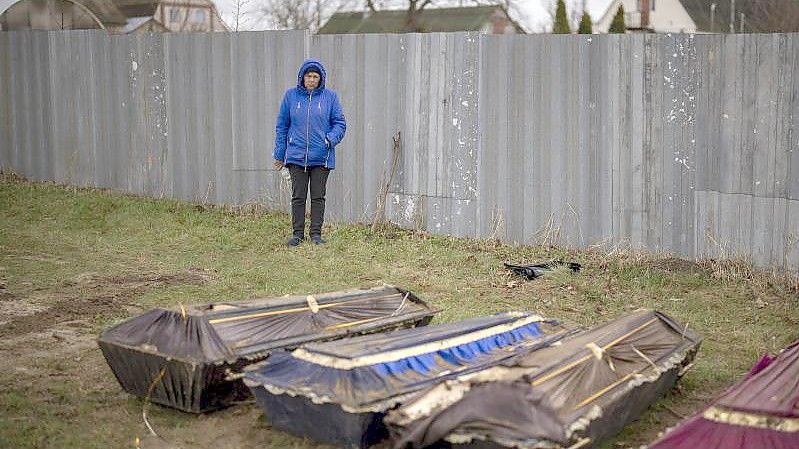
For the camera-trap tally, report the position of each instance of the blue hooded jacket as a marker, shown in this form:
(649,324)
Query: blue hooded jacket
(310,123)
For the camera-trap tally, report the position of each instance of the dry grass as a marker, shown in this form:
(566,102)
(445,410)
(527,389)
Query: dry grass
(112,256)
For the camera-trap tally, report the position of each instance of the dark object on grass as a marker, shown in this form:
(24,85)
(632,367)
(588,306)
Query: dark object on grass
(564,396)
(535,270)
(184,357)
(338,392)
(759,412)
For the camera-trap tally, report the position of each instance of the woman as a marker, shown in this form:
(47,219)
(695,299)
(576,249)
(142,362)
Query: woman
(309,126)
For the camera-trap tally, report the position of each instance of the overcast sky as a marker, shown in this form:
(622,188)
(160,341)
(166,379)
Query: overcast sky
(5,4)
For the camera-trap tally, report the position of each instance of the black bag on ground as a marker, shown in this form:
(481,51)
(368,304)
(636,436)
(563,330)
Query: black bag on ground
(535,270)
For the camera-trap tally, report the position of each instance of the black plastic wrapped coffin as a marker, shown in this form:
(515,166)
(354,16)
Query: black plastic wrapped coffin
(338,392)
(182,358)
(571,395)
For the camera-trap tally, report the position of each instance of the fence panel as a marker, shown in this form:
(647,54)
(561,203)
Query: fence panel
(676,143)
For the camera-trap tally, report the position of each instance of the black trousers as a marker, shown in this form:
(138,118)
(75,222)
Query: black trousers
(301,178)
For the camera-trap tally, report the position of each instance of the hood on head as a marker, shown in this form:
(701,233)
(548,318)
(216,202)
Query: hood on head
(304,68)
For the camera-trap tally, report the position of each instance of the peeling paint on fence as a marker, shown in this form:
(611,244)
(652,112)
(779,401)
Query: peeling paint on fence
(675,143)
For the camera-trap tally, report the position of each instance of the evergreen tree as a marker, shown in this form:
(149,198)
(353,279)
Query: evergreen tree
(585,24)
(561,25)
(617,26)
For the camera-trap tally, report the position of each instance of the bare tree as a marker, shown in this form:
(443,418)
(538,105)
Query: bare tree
(301,14)
(311,14)
(775,16)
(510,6)
(412,11)
(240,16)
(759,16)
(414,8)
(293,14)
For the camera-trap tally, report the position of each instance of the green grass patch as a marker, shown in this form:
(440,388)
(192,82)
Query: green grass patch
(61,246)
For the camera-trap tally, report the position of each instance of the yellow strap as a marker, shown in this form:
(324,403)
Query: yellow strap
(548,376)
(294,310)
(312,304)
(352,323)
(599,393)
(580,443)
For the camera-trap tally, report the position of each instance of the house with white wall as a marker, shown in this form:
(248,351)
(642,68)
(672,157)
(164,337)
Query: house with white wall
(659,16)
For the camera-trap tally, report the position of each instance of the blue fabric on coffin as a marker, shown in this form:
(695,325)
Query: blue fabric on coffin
(374,371)
(460,355)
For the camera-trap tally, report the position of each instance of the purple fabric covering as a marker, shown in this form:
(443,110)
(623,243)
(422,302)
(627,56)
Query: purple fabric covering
(771,388)
(698,433)
(774,390)
(762,363)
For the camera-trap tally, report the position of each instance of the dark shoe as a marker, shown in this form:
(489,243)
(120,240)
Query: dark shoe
(295,241)
(317,240)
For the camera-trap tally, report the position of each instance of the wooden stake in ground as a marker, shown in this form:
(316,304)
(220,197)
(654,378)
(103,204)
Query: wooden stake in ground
(382,197)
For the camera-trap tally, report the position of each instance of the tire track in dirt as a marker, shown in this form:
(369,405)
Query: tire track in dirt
(89,295)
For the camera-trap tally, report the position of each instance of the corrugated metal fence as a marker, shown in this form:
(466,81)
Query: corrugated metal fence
(676,143)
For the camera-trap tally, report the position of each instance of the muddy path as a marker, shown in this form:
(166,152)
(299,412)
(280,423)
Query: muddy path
(83,298)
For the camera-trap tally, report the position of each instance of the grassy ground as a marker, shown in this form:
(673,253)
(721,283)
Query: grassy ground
(74,261)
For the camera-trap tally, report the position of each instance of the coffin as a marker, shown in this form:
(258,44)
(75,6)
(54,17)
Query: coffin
(338,392)
(571,395)
(759,412)
(184,357)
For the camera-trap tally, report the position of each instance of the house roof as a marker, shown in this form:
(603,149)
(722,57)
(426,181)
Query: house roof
(134,23)
(430,20)
(137,8)
(105,10)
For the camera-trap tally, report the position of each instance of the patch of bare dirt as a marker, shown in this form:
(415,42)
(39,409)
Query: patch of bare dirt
(51,352)
(5,294)
(59,342)
(89,295)
(676,265)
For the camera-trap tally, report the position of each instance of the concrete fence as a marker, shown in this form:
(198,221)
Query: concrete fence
(680,144)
